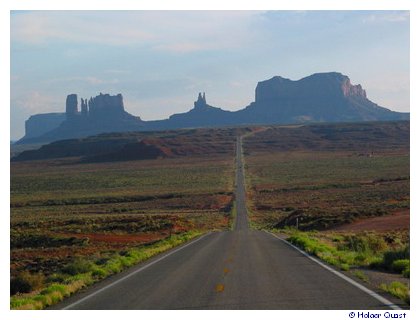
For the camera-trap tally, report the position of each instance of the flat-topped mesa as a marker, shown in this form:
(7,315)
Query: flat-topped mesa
(319,85)
(102,106)
(106,105)
(332,84)
(274,88)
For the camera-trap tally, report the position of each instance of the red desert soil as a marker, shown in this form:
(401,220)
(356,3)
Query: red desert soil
(395,221)
(63,252)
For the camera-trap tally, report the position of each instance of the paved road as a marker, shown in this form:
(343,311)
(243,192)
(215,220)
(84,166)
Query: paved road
(238,269)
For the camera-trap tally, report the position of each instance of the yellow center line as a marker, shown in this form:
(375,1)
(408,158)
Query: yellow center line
(220,287)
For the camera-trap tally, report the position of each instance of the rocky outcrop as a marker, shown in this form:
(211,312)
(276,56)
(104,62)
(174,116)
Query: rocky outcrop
(106,106)
(321,97)
(201,101)
(71,106)
(103,113)
(351,90)
(39,124)
(202,115)
(84,107)
(317,86)
(99,107)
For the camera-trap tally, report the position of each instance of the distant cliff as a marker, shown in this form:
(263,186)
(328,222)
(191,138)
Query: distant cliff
(321,97)
(103,113)
(39,124)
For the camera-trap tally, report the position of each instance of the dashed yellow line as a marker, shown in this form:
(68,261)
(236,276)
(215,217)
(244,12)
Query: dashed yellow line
(220,287)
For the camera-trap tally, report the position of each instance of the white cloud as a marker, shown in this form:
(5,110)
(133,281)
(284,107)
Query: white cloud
(184,47)
(97,81)
(117,71)
(236,84)
(39,27)
(34,102)
(174,31)
(392,16)
(91,80)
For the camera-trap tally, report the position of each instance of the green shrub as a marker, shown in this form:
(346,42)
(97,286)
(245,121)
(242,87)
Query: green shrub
(362,257)
(361,275)
(42,299)
(391,256)
(27,240)
(26,282)
(99,272)
(24,303)
(376,263)
(81,273)
(127,261)
(19,285)
(56,277)
(78,266)
(406,272)
(397,289)
(101,261)
(367,242)
(113,266)
(309,244)
(344,267)
(84,277)
(55,288)
(400,265)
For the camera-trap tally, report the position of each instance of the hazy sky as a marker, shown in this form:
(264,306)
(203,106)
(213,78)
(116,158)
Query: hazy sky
(160,60)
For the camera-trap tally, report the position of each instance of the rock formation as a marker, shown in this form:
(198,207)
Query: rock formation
(106,106)
(317,86)
(103,113)
(71,106)
(40,124)
(201,101)
(84,107)
(102,106)
(321,97)
(202,115)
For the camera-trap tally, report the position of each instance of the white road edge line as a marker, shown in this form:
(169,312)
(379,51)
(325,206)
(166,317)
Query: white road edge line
(342,276)
(133,273)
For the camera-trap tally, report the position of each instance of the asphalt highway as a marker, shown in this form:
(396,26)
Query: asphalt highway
(237,269)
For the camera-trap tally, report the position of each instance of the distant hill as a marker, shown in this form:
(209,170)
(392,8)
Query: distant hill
(364,138)
(321,97)
(95,149)
(139,145)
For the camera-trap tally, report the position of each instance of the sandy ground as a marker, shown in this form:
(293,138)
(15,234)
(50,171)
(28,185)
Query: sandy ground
(396,221)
